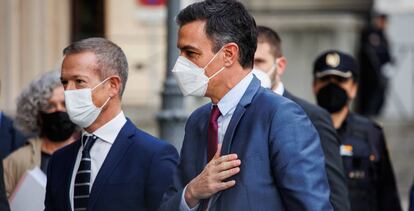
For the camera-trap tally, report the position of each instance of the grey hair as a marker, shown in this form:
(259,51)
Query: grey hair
(111,60)
(33,100)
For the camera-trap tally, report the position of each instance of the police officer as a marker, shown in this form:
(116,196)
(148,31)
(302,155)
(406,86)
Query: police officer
(373,55)
(367,165)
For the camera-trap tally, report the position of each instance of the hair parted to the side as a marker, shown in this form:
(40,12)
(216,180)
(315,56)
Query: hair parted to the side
(267,35)
(111,60)
(33,100)
(226,21)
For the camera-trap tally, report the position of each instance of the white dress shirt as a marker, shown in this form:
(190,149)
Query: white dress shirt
(106,137)
(280,89)
(227,105)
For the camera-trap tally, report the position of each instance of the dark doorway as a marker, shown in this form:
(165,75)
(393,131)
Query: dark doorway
(88,19)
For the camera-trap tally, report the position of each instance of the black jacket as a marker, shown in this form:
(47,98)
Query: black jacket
(4,204)
(330,146)
(367,165)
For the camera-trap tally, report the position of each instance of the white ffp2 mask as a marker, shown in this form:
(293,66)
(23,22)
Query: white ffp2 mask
(80,107)
(191,79)
(264,76)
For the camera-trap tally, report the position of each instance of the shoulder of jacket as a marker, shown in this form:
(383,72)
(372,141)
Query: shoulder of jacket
(23,155)
(365,124)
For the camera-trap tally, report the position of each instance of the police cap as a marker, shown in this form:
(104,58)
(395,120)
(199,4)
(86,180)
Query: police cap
(334,62)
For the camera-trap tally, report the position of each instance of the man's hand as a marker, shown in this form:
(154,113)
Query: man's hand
(210,180)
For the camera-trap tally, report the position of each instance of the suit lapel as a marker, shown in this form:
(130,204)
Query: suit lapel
(238,114)
(247,98)
(70,161)
(115,155)
(228,137)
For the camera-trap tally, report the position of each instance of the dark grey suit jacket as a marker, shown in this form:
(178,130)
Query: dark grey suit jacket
(330,146)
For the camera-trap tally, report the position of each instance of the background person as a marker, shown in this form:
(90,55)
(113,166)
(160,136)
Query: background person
(11,138)
(367,165)
(374,54)
(269,60)
(41,111)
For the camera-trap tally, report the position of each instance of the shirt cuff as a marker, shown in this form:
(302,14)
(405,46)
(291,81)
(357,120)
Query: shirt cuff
(184,206)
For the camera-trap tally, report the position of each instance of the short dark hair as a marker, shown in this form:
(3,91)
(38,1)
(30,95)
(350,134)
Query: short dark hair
(266,34)
(226,21)
(111,60)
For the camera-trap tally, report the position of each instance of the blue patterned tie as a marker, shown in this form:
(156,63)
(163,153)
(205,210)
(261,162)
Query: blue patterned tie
(83,176)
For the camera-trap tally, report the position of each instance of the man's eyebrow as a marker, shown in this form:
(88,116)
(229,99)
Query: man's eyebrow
(258,60)
(72,76)
(187,47)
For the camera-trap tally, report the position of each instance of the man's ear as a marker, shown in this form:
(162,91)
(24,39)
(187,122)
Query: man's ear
(231,54)
(354,90)
(115,85)
(314,87)
(281,64)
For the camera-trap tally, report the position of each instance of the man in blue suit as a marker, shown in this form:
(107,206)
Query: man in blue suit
(114,166)
(10,138)
(249,149)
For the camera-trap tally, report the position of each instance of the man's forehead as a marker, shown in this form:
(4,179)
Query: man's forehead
(79,59)
(79,72)
(193,35)
(264,50)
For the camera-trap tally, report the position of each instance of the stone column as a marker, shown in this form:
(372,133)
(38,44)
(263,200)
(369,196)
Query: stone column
(171,119)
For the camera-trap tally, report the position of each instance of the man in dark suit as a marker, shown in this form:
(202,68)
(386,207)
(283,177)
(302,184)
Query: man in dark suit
(114,166)
(10,137)
(249,149)
(4,204)
(269,59)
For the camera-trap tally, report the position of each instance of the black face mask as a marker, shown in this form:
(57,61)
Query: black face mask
(332,98)
(57,126)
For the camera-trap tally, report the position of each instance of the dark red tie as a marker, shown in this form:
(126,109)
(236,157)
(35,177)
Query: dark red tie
(212,133)
(212,142)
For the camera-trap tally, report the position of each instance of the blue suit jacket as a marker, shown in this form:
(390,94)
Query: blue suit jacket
(10,138)
(282,164)
(136,172)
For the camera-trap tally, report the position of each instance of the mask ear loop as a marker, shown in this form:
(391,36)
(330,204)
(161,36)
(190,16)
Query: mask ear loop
(100,83)
(273,68)
(212,59)
(108,97)
(216,73)
(105,103)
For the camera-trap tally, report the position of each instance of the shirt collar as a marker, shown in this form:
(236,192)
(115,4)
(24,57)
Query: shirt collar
(280,89)
(231,99)
(110,130)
